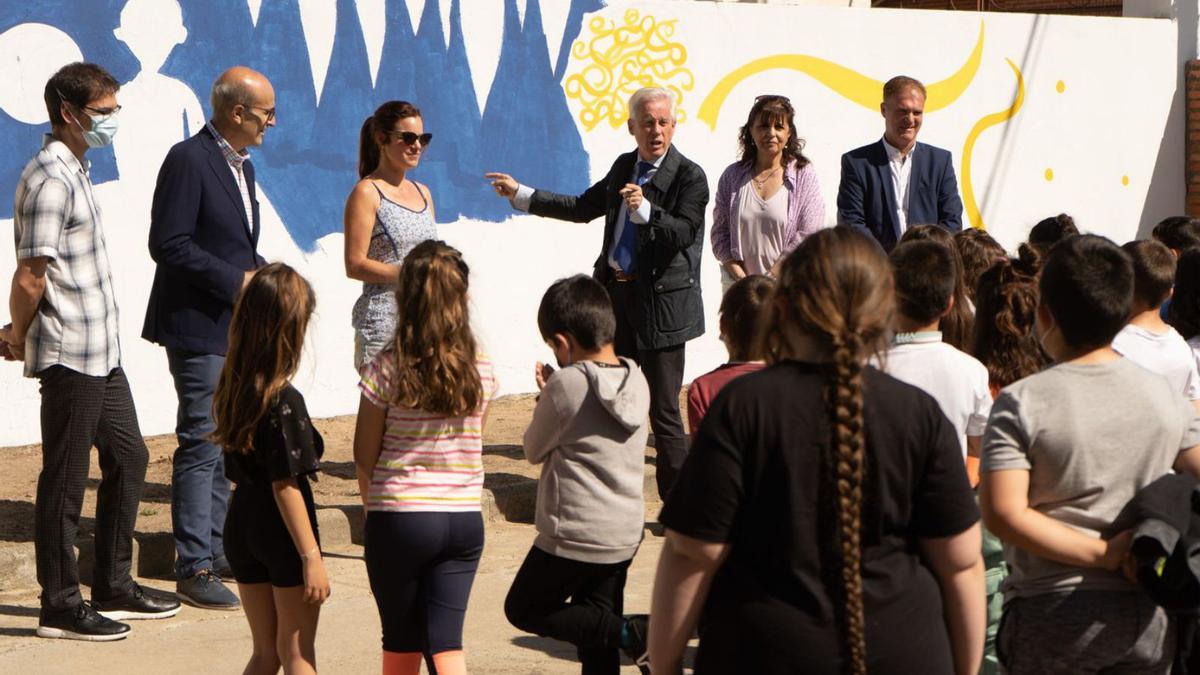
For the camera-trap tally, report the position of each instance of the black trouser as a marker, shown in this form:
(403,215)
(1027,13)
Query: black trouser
(591,620)
(663,369)
(79,411)
(421,566)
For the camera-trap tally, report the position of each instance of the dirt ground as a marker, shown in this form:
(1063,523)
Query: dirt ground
(348,639)
(504,464)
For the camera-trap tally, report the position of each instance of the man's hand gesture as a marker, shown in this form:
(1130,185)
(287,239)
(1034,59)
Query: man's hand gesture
(632,194)
(504,184)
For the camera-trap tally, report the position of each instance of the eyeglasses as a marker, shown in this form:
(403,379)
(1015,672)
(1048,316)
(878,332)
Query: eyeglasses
(409,138)
(772,97)
(104,113)
(270,112)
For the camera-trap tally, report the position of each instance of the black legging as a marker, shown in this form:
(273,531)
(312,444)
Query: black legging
(421,567)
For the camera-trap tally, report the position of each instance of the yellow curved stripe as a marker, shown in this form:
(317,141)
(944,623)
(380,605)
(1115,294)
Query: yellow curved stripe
(988,121)
(855,86)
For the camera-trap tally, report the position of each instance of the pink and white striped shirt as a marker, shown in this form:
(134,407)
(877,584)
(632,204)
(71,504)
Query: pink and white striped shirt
(428,462)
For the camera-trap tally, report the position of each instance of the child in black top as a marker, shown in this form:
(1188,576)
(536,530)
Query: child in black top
(271,447)
(822,522)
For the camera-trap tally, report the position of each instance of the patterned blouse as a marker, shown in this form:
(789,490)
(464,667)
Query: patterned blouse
(397,231)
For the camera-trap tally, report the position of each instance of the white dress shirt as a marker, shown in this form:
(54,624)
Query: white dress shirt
(901,166)
(641,216)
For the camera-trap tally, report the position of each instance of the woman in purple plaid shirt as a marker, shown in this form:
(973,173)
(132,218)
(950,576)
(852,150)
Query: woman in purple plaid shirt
(768,201)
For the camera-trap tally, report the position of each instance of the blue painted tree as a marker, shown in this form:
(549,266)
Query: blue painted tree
(574,25)
(220,35)
(527,128)
(281,54)
(447,99)
(398,67)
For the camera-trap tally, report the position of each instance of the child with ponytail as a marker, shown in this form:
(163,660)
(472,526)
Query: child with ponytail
(418,448)
(271,447)
(822,522)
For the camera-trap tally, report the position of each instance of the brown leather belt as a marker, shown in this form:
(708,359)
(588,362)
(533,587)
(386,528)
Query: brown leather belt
(622,277)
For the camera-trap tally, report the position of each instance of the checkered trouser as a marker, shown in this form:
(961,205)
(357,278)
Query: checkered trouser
(78,412)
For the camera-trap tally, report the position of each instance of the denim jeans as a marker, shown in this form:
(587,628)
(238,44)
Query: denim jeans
(199,489)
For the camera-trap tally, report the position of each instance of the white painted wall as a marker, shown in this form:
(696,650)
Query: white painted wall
(1113,118)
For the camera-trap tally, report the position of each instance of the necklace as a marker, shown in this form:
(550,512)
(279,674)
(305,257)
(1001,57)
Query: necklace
(761,183)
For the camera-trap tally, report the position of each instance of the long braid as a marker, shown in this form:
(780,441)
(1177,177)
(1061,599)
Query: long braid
(835,295)
(849,455)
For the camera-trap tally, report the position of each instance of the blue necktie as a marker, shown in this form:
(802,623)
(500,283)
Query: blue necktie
(627,244)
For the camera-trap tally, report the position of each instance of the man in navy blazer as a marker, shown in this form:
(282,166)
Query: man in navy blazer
(897,182)
(204,226)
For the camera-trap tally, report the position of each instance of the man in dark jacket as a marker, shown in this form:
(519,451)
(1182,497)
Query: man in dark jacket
(896,182)
(653,202)
(204,226)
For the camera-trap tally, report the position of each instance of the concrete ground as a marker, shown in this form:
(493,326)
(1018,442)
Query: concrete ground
(201,641)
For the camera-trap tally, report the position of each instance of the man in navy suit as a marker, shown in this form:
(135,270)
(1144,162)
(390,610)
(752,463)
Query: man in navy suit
(897,182)
(204,226)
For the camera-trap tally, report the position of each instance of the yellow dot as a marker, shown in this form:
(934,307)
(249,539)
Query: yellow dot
(1060,87)
(1049,174)
(1124,180)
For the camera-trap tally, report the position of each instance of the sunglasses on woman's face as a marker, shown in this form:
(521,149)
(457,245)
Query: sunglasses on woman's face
(409,138)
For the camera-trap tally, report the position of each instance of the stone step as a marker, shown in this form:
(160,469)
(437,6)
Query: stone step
(342,525)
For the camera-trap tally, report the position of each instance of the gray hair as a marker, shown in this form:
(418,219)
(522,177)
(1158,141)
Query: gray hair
(228,93)
(646,94)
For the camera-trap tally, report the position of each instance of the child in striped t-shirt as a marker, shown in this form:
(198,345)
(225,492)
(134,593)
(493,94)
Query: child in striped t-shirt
(418,447)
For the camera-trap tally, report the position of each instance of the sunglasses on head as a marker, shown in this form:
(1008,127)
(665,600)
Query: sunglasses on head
(772,97)
(409,138)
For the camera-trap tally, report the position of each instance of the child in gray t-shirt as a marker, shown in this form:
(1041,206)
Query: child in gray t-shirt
(1064,451)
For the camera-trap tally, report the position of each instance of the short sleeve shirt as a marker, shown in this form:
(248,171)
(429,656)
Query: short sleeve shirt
(428,462)
(1166,354)
(286,445)
(1090,437)
(957,381)
(755,479)
(56,216)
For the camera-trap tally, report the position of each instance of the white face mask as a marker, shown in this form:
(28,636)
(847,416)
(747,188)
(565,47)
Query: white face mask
(104,128)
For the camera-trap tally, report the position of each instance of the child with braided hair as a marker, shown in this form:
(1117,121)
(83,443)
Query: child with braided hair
(823,522)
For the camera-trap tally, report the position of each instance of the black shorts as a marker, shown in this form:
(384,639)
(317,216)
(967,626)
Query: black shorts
(257,543)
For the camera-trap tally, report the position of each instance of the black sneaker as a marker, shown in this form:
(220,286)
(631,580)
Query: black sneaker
(139,603)
(636,626)
(80,623)
(205,590)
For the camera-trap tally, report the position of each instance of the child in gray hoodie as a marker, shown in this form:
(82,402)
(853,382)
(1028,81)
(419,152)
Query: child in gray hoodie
(589,434)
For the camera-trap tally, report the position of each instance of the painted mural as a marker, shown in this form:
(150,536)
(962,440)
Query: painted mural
(316,143)
(1042,115)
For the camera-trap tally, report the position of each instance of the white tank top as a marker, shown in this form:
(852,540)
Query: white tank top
(760,227)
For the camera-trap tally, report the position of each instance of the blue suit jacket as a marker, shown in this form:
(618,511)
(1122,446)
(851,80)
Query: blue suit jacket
(867,200)
(203,246)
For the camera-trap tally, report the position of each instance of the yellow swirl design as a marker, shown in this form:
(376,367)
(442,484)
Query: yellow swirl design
(622,59)
(852,85)
(988,121)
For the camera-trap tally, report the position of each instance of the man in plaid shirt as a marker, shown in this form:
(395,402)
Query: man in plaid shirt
(64,327)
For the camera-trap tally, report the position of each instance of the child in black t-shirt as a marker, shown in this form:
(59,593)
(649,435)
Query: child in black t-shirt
(271,447)
(823,522)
